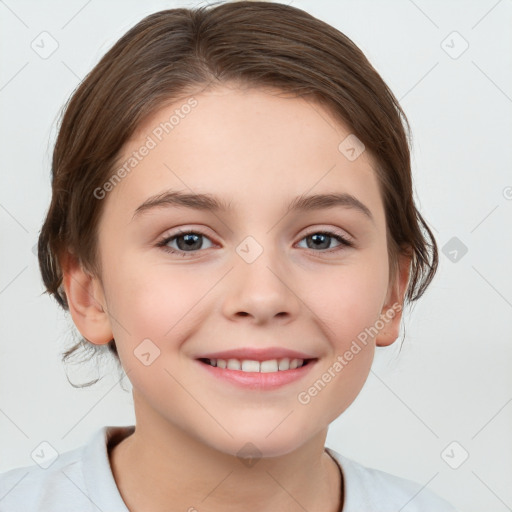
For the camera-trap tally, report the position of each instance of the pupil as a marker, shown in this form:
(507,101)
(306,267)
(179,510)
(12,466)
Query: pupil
(318,237)
(191,241)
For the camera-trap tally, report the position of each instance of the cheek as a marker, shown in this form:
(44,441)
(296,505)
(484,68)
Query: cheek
(348,306)
(334,385)
(349,302)
(155,302)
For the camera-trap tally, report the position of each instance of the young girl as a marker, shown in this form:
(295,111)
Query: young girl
(232,216)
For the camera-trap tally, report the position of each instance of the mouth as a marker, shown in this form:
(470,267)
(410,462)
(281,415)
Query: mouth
(257,371)
(254,366)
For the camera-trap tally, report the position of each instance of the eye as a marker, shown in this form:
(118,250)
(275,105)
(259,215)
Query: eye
(186,242)
(191,242)
(323,239)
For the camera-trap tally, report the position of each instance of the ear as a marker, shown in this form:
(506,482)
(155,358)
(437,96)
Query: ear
(86,301)
(391,313)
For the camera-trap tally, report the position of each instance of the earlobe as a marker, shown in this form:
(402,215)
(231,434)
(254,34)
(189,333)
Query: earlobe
(391,314)
(85,298)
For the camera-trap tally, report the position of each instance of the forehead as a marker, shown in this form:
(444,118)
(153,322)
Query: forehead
(253,148)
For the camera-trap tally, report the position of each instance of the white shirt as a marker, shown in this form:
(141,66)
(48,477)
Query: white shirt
(81,480)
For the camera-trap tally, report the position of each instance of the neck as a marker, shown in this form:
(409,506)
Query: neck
(160,467)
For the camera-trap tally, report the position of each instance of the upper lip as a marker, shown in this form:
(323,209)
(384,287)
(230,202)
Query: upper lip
(257,354)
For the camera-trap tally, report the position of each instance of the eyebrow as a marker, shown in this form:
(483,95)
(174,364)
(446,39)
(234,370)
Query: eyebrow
(208,202)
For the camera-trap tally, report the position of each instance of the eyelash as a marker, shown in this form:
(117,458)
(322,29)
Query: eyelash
(345,243)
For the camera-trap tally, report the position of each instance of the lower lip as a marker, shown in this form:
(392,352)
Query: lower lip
(258,380)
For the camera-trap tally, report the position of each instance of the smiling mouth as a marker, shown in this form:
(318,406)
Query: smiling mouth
(252,366)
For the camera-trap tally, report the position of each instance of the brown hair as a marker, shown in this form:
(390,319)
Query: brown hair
(251,43)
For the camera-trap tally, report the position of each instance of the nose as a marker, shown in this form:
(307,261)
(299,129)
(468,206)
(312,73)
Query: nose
(261,291)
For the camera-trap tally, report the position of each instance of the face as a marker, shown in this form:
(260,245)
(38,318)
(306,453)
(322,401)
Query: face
(252,277)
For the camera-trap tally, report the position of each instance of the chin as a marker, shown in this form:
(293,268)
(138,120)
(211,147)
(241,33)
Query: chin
(256,445)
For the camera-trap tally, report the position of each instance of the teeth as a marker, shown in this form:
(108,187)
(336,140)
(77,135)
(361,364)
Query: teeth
(234,364)
(284,364)
(248,365)
(269,366)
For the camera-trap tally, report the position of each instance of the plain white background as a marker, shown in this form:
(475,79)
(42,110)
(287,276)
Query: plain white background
(450,383)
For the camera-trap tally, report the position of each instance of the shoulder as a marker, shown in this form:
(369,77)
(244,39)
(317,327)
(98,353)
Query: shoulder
(79,479)
(29,488)
(374,490)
